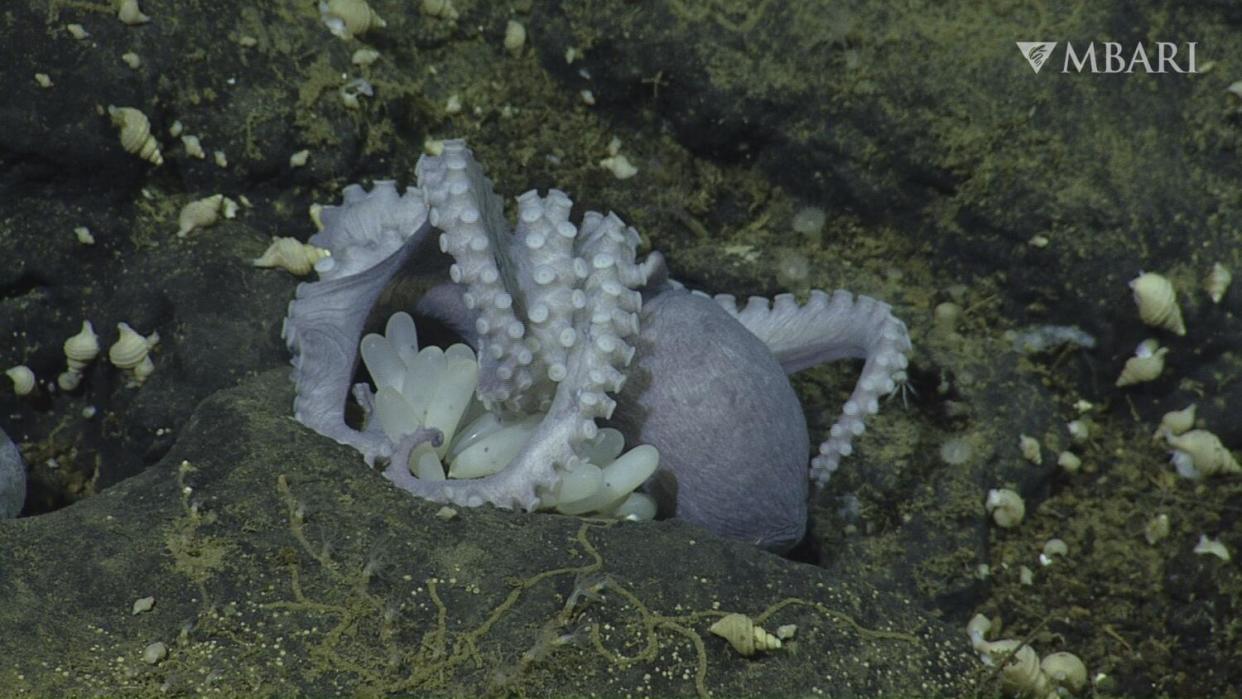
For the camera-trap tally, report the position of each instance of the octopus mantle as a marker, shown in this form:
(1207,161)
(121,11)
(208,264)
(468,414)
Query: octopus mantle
(566,321)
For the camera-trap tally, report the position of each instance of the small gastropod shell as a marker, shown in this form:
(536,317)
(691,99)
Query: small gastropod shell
(136,135)
(128,12)
(1200,453)
(1217,282)
(515,37)
(193,146)
(1021,674)
(1065,670)
(23,379)
(81,349)
(745,637)
(349,18)
(200,213)
(1029,447)
(443,9)
(292,255)
(1006,506)
(1212,547)
(1176,422)
(1146,365)
(130,352)
(1157,302)
(1069,461)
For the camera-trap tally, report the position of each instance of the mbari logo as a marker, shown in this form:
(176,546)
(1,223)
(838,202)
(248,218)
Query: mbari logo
(1111,57)
(1036,52)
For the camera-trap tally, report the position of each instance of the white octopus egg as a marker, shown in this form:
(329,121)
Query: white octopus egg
(435,388)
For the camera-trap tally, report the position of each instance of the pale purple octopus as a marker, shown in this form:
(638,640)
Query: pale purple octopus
(562,316)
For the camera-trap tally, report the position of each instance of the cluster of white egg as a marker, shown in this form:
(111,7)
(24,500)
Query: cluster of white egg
(435,388)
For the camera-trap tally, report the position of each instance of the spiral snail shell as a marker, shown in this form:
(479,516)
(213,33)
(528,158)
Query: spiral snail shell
(1006,507)
(1065,670)
(82,348)
(292,255)
(1157,302)
(349,18)
(128,12)
(136,135)
(1200,453)
(130,352)
(1176,422)
(1021,674)
(1146,365)
(23,379)
(745,637)
(200,213)
(1217,282)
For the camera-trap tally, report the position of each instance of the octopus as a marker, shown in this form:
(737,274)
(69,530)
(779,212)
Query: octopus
(565,330)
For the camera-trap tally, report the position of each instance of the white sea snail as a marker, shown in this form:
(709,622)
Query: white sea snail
(291,255)
(80,350)
(200,213)
(1176,422)
(136,135)
(744,635)
(349,18)
(23,379)
(1006,506)
(1217,282)
(128,12)
(1146,365)
(130,352)
(1157,302)
(1200,453)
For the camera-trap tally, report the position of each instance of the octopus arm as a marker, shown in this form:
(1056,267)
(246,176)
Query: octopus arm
(370,238)
(569,354)
(826,328)
(12,478)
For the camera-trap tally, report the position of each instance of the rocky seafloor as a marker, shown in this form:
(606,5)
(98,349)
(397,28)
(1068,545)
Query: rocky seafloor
(947,172)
